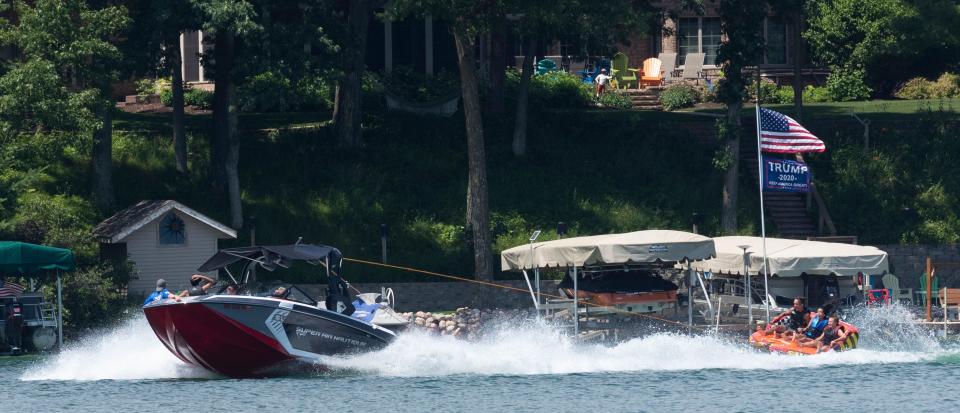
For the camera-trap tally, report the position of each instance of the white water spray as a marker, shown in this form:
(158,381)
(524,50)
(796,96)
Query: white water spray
(539,349)
(128,352)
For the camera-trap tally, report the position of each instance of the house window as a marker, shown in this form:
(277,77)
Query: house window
(699,35)
(776,39)
(172,231)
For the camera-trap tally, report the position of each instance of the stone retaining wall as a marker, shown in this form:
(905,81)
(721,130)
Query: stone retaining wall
(908,262)
(448,296)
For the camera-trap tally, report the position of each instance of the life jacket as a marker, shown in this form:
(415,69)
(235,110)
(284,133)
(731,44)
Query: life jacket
(830,334)
(816,327)
(795,320)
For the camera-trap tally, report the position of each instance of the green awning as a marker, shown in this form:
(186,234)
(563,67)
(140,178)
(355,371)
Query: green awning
(20,259)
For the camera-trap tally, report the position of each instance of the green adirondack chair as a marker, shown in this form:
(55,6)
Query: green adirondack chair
(922,294)
(622,73)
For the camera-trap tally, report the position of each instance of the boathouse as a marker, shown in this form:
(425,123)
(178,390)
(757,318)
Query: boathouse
(164,239)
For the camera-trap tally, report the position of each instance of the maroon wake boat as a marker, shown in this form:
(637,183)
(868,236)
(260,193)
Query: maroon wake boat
(249,334)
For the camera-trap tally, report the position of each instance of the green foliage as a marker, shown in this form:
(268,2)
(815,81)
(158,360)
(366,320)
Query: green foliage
(558,89)
(916,88)
(416,86)
(91,297)
(33,99)
(266,92)
(947,86)
(816,94)
(845,85)
(893,40)
(937,209)
(615,99)
(58,220)
(166,97)
(770,92)
(198,98)
(678,96)
(744,44)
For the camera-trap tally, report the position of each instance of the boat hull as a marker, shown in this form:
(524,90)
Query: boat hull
(243,336)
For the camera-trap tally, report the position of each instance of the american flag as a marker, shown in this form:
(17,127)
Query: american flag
(781,134)
(9,289)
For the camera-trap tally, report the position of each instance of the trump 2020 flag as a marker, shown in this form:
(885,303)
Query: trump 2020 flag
(781,134)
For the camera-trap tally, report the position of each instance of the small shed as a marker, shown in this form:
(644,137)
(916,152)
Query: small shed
(164,239)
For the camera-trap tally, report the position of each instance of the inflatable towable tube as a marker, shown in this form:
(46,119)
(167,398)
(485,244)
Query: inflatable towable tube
(779,345)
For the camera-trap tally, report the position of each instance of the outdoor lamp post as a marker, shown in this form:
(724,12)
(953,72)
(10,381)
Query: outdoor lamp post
(747,289)
(384,231)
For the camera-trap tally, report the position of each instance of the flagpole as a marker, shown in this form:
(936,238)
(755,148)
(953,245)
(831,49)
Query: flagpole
(763,226)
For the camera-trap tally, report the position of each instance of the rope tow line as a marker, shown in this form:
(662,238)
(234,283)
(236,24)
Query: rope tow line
(515,289)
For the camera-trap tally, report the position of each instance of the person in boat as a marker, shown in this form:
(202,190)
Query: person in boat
(280,292)
(795,319)
(832,336)
(232,289)
(195,288)
(814,328)
(161,293)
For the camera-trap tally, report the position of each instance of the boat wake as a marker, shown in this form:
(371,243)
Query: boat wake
(540,349)
(132,352)
(129,352)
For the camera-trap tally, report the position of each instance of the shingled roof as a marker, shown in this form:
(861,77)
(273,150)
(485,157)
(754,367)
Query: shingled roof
(125,222)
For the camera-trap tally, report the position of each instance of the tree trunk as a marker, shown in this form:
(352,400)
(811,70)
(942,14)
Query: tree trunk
(226,141)
(102,158)
(223,55)
(478,209)
(498,67)
(179,130)
(731,182)
(348,107)
(797,65)
(523,97)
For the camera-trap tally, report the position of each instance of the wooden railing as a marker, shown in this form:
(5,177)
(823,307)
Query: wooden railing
(823,216)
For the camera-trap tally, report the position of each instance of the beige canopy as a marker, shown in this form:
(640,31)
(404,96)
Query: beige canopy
(790,258)
(632,247)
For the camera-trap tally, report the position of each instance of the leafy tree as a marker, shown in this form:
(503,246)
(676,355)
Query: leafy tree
(892,40)
(78,43)
(742,45)
(468,19)
(347,103)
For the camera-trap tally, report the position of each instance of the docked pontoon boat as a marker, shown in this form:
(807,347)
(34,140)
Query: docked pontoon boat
(257,333)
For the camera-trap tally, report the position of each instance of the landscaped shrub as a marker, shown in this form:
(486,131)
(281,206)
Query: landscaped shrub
(147,87)
(415,86)
(314,94)
(845,85)
(558,89)
(947,86)
(816,94)
(198,98)
(166,97)
(614,99)
(678,96)
(266,92)
(916,88)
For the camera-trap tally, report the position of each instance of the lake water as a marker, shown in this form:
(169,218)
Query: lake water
(530,368)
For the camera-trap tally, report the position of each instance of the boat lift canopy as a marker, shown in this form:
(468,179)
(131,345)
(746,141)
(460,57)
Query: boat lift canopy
(31,260)
(791,258)
(632,247)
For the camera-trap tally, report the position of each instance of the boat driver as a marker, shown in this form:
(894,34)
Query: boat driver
(795,316)
(161,293)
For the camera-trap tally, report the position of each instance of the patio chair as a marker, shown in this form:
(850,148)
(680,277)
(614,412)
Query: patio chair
(693,67)
(546,65)
(668,65)
(922,294)
(652,75)
(621,71)
(892,283)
